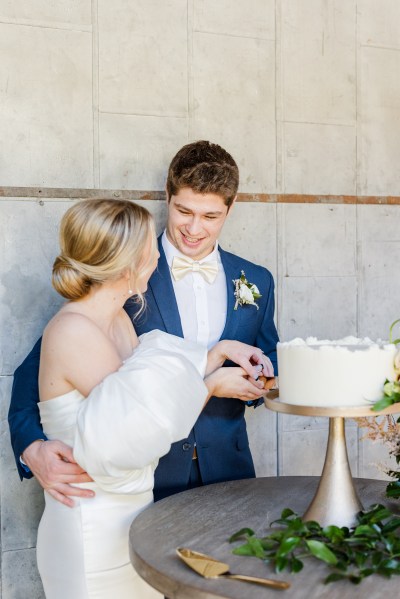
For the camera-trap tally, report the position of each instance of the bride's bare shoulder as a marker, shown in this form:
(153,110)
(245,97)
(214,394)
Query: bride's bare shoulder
(76,354)
(70,326)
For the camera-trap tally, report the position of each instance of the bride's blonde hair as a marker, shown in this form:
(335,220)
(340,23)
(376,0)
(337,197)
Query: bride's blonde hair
(99,241)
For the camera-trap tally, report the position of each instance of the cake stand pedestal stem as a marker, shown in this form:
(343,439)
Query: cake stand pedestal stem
(336,501)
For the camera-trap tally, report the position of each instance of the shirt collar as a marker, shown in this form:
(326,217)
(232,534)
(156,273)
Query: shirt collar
(171,251)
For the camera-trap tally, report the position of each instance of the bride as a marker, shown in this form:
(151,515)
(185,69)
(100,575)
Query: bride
(118,400)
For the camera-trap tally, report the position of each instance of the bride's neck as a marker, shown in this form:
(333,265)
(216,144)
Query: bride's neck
(103,304)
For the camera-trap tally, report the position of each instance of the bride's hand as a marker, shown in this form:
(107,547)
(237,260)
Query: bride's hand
(233,382)
(250,358)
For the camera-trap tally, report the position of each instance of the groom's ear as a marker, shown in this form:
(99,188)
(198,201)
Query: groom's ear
(231,205)
(167,195)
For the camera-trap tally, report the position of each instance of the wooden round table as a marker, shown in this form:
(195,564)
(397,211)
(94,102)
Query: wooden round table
(203,519)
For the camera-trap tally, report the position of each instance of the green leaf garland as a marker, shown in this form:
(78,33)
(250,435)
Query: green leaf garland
(370,547)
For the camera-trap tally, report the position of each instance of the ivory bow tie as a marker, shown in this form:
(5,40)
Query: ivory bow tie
(181,267)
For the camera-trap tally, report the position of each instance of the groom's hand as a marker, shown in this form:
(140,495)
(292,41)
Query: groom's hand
(251,359)
(234,382)
(54,467)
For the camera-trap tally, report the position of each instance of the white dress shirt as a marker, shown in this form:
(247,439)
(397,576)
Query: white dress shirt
(202,306)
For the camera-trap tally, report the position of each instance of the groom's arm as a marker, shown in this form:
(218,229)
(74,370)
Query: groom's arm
(23,415)
(51,462)
(267,335)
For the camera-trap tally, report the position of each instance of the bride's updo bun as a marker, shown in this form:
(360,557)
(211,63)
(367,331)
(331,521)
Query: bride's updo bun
(99,240)
(68,280)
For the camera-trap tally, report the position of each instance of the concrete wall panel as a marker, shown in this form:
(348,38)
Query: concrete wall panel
(19,518)
(379,23)
(380,286)
(46,129)
(27,300)
(379,123)
(317,240)
(20,575)
(238,110)
(302,453)
(250,232)
(62,12)
(135,151)
(291,422)
(378,223)
(247,19)
(319,61)
(319,159)
(378,234)
(324,307)
(143,57)
(261,429)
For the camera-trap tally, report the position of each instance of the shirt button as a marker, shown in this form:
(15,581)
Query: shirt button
(186,446)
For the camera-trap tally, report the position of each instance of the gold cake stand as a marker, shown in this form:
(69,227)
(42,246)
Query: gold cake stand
(335,501)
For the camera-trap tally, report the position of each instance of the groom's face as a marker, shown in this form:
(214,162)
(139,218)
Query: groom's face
(195,221)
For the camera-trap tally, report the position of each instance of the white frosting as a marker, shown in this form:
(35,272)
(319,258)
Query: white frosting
(346,372)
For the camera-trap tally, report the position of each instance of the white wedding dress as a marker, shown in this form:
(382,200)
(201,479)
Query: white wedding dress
(118,433)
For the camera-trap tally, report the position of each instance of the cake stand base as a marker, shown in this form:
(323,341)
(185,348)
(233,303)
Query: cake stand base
(335,501)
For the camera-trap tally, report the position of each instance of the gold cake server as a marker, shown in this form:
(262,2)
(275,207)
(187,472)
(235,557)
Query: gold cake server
(209,567)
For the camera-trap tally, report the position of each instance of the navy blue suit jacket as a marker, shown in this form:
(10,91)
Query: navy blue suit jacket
(220,432)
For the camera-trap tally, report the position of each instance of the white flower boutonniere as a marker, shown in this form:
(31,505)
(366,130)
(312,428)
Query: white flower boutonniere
(245,292)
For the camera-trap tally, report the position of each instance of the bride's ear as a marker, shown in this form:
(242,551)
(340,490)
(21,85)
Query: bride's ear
(126,274)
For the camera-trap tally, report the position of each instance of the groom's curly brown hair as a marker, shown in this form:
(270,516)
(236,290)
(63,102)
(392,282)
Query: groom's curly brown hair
(204,167)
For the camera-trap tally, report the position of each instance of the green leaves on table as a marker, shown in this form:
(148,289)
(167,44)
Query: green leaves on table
(370,547)
(393,488)
(321,551)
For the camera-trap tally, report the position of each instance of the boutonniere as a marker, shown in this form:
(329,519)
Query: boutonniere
(245,292)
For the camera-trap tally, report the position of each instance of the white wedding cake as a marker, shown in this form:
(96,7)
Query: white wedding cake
(348,372)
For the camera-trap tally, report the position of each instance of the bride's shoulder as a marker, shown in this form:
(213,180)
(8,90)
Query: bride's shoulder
(69,326)
(69,319)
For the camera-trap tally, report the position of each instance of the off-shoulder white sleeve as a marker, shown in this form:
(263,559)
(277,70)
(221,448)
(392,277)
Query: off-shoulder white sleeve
(131,419)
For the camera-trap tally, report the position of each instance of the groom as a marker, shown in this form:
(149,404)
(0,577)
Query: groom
(191,294)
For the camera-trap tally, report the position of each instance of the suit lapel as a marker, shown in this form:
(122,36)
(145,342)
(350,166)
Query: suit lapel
(232,271)
(163,291)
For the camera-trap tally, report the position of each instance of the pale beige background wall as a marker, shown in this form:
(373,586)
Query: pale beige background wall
(306,96)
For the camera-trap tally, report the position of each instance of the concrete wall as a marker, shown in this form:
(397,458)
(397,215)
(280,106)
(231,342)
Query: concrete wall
(306,96)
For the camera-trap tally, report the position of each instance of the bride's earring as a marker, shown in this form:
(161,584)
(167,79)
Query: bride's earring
(130,290)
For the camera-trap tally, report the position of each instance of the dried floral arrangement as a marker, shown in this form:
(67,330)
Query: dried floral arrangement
(387,430)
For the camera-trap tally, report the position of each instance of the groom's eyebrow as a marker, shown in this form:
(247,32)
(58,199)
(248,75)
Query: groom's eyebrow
(214,213)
